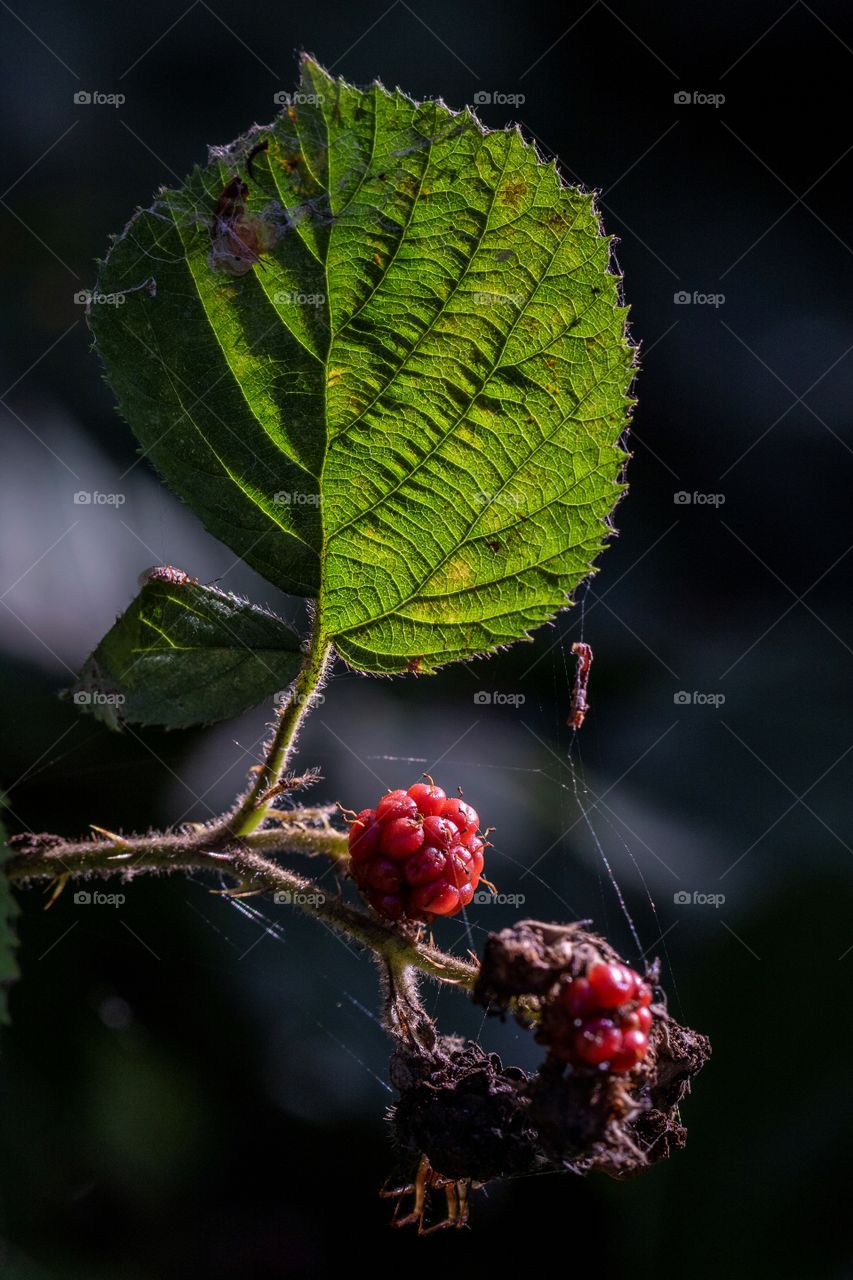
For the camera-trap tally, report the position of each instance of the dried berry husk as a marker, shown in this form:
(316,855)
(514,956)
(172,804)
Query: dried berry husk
(619,1125)
(464,1110)
(524,960)
(588,1119)
(475,1119)
(528,960)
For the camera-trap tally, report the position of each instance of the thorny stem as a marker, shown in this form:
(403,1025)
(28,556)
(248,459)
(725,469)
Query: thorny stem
(303,814)
(244,860)
(405,1016)
(254,807)
(234,846)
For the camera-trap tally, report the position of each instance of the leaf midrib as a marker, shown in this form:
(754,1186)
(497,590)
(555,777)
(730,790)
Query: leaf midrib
(472,399)
(440,565)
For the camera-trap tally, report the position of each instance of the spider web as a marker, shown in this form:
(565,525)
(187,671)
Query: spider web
(574,799)
(195,210)
(586,804)
(277,931)
(576,805)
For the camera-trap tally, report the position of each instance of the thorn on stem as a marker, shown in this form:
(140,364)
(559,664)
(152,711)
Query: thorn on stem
(111,835)
(58,885)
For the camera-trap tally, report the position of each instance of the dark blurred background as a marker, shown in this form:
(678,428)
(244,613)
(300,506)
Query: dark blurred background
(186,1090)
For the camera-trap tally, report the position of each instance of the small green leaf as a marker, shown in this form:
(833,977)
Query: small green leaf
(380,350)
(9,971)
(185,654)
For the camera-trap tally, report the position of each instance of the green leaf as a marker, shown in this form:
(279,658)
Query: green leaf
(185,654)
(9,971)
(395,381)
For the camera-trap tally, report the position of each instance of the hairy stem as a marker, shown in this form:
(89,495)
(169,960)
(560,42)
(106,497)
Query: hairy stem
(43,857)
(235,847)
(255,804)
(404,1015)
(244,860)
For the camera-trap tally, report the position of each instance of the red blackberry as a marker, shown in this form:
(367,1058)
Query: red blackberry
(597,1040)
(417,854)
(600,1019)
(396,804)
(464,815)
(429,798)
(613,984)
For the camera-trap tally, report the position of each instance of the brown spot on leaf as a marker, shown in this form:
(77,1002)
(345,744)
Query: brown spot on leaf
(513,192)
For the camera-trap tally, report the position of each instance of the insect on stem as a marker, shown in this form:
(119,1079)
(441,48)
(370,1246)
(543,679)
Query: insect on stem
(579,703)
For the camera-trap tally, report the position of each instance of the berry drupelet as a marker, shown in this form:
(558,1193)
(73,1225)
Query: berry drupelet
(600,1019)
(417,854)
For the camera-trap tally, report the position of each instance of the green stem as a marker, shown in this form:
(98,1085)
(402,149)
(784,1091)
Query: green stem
(253,808)
(49,858)
(236,847)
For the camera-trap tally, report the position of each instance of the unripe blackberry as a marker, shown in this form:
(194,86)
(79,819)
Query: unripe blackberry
(439,832)
(599,1019)
(612,984)
(417,855)
(462,814)
(429,798)
(364,836)
(396,804)
(425,865)
(383,875)
(401,836)
(596,1041)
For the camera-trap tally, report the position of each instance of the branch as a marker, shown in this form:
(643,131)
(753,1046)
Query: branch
(235,846)
(245,861)
(254,806)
